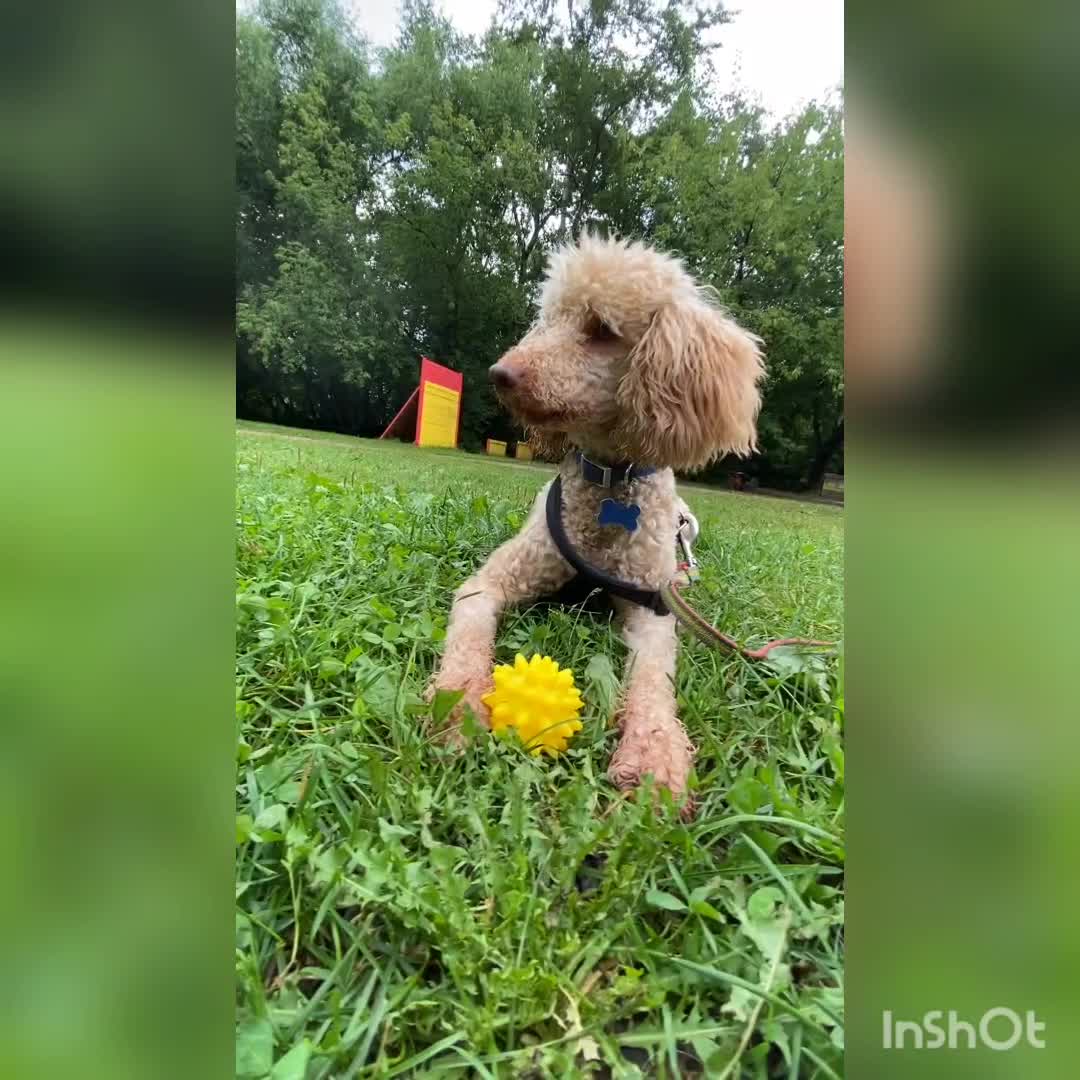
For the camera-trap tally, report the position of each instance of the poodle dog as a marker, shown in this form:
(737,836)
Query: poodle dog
(628,373)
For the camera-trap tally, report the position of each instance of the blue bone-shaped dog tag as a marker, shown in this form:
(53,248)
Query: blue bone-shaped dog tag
(613,512)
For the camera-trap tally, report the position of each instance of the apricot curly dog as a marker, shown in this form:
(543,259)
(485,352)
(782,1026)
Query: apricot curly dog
(628,373)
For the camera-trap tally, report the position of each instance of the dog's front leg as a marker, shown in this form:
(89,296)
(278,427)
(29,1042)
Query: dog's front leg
(522,569)
(470,639)
(653,740)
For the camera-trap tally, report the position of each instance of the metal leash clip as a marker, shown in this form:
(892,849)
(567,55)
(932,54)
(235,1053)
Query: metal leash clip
(687,523)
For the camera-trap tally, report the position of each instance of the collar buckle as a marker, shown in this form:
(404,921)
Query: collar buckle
(605,476)
(610,476)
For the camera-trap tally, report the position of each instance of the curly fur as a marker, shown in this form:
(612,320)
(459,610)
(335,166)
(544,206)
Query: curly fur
(627,360)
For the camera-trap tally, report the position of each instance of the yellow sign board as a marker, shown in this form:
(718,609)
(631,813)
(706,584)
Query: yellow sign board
(440,405)
(439,420)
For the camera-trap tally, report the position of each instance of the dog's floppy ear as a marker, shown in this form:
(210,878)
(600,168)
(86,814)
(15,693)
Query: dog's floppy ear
(691,391)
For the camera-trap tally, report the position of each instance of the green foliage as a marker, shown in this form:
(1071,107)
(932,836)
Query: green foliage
(403,203)
(403,910)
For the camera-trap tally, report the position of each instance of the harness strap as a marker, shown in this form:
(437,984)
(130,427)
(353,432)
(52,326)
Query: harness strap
(646,598)
(664,601)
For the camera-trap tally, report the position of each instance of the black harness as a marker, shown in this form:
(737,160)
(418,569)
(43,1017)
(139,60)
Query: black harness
(646,598)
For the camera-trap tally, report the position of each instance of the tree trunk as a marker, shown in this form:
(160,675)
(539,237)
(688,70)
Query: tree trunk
(821,458)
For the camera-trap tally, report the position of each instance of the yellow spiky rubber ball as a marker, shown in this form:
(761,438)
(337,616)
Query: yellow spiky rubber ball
(538,700)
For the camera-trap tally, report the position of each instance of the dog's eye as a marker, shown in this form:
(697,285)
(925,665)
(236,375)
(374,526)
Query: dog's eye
(596,330)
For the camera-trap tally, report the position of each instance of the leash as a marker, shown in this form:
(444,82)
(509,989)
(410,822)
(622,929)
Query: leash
(667,599)
(708,633)
(696,622)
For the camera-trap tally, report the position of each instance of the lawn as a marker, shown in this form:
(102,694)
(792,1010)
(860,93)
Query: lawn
(404,911)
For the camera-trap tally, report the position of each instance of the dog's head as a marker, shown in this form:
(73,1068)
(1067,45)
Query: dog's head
(628,360)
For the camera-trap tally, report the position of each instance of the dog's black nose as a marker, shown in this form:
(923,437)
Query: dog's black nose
(503,378)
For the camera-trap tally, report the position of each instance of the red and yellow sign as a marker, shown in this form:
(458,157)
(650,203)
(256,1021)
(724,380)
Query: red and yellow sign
(440,405)
(432,415)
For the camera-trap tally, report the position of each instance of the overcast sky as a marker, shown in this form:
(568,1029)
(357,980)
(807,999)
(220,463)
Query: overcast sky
(783,52)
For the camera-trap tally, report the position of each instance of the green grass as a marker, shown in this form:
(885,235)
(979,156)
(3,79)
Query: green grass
(403,911)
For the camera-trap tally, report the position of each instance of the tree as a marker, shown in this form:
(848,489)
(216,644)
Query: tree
(758,213)
(403,203)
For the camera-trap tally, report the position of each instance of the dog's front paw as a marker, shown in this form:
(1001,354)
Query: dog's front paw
(450,730)
(660,750)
